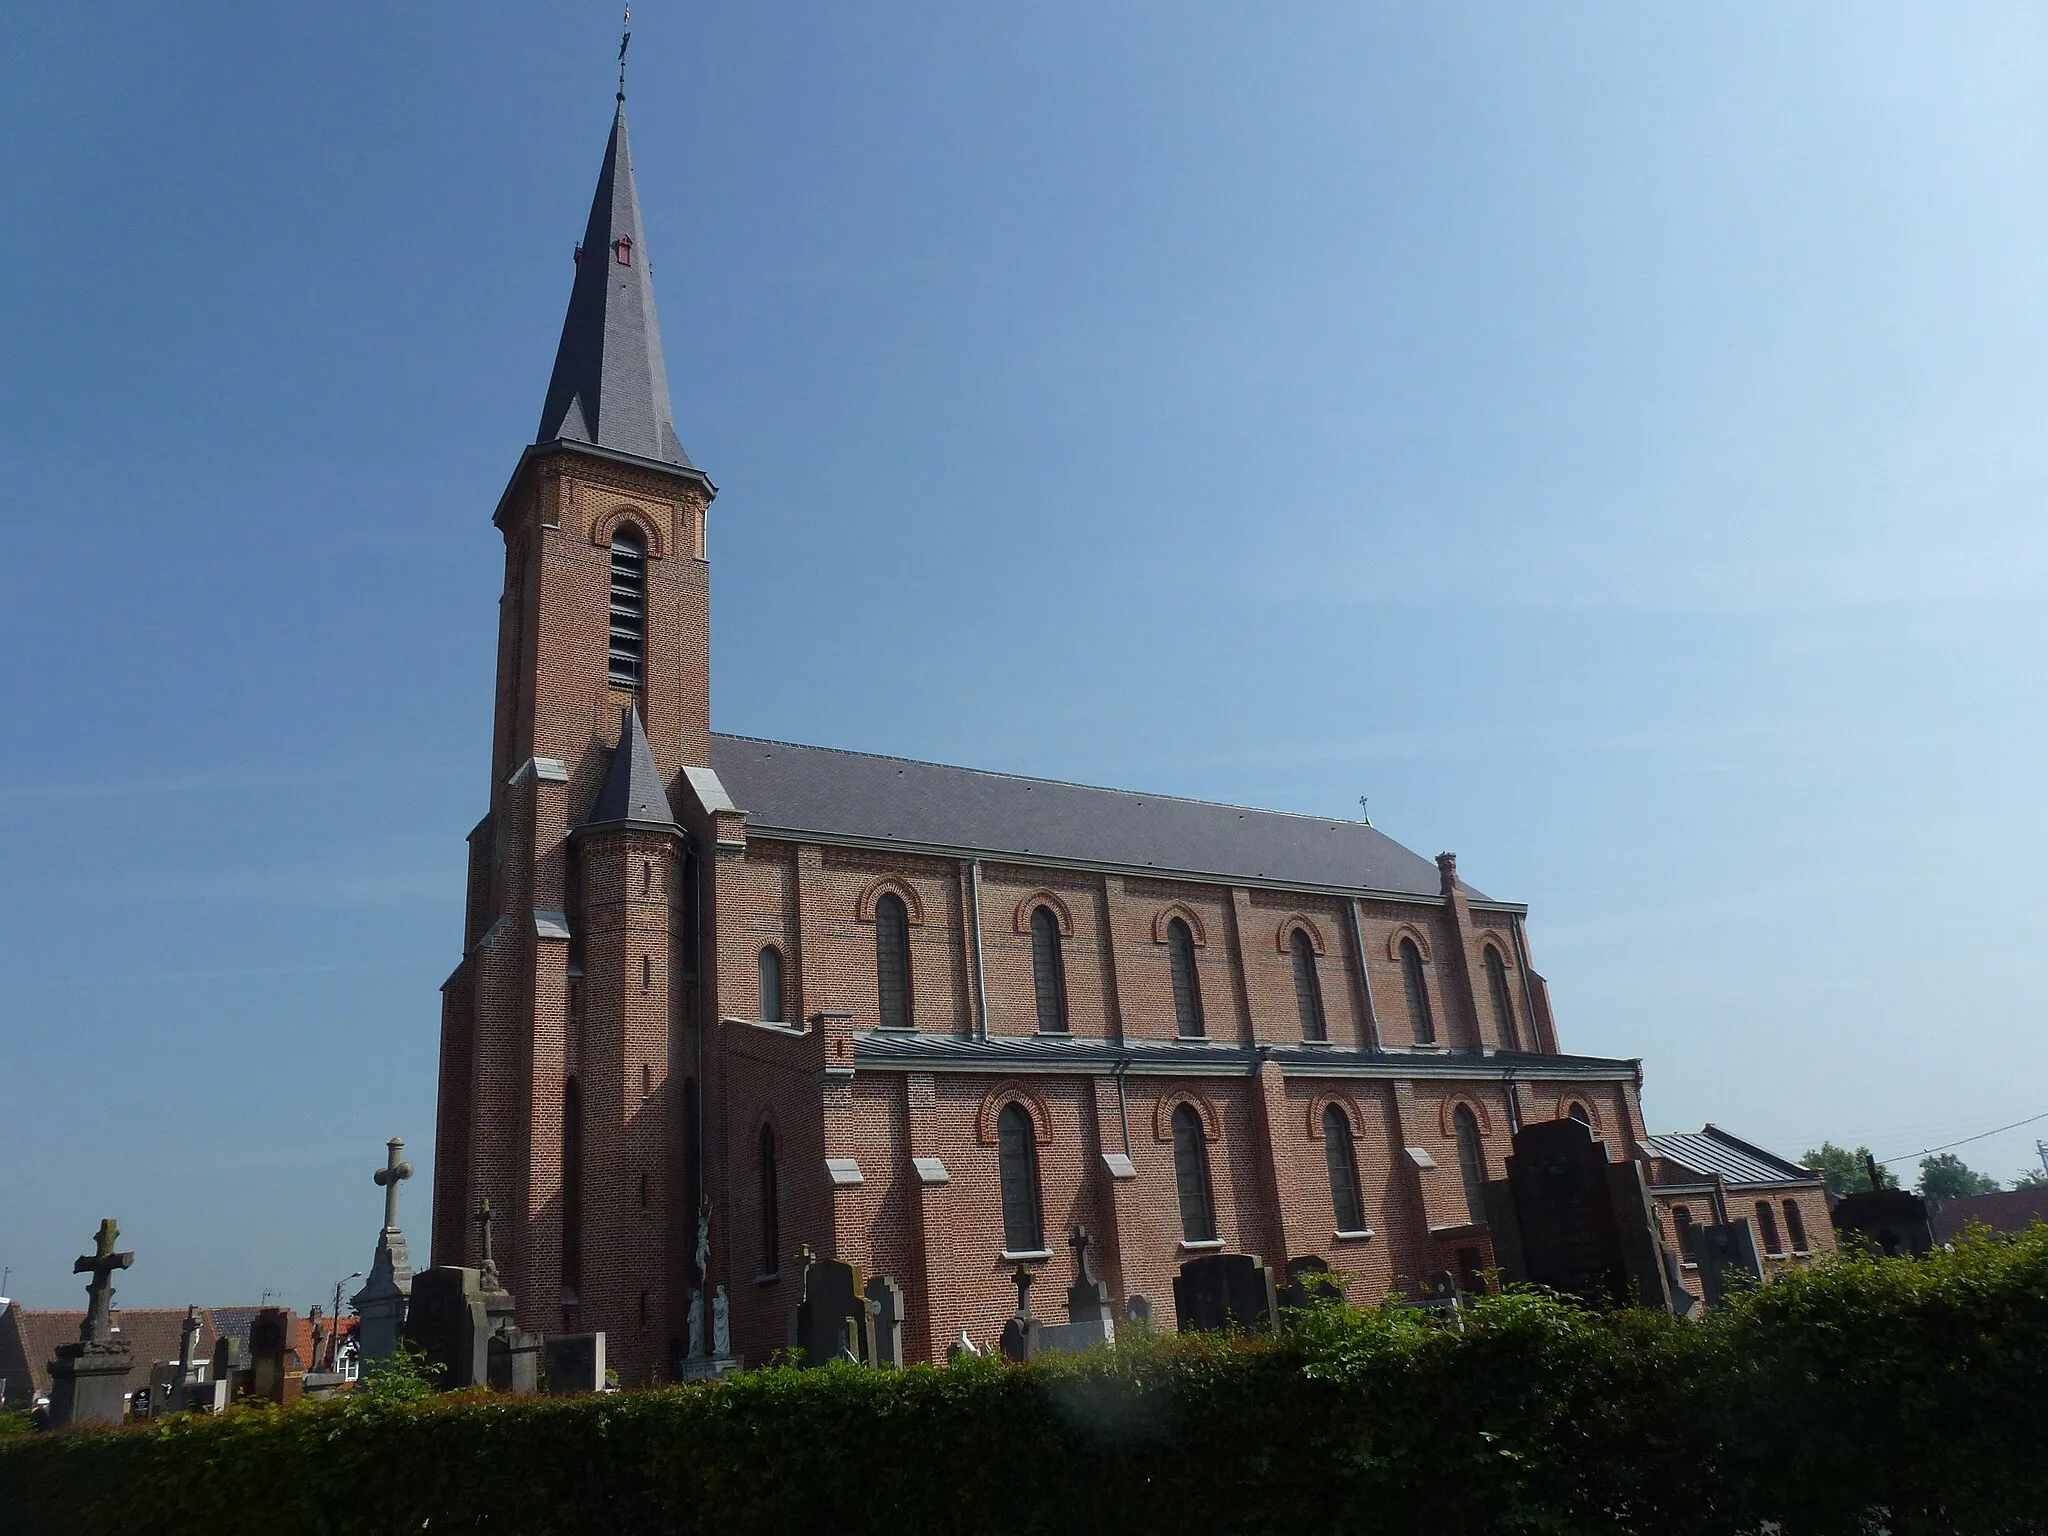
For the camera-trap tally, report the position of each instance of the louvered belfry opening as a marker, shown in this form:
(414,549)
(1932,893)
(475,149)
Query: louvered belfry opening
(629,608)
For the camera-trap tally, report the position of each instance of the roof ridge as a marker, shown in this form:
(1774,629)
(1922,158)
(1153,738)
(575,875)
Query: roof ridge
(1035,778)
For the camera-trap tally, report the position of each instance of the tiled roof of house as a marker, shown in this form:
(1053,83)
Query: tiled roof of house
(2006,1210)
(1712,1151)
(822,790)
(29,1340)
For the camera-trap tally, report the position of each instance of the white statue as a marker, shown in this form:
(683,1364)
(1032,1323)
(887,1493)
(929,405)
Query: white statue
(721,1325)
(697,1325)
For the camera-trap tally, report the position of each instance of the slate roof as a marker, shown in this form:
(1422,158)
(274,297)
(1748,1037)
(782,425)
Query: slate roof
(610,384)
(786,788)
(1712,1151)
(632,793)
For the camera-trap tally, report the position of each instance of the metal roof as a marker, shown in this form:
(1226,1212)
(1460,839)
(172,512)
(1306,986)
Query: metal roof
(785,788)
(610,384)
(1711,1151)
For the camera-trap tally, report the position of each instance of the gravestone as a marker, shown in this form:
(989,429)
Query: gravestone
(1091,1318)
(1019,1341)
(575,1362)
(1575,1221)
(445,1320)
(1138,1312)
(381,1302)
(831,1319)
(512,1357)
(1891,1221)
(885,1304)
(89,1379)
(231,1366)
(273,1375)
(1727,1257)
(1308,1282)
(1224,1290)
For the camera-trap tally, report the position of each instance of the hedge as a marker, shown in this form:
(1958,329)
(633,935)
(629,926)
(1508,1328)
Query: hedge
(1859,1395)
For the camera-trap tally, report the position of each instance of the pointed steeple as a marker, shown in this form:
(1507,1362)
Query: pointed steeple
(610,385)
(632,794)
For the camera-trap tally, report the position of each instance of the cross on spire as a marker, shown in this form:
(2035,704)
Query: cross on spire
(394,1172)
(627,22)
(101,1264)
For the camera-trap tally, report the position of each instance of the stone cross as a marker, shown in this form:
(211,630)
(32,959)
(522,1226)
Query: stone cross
(489,1267)
(101,1263)
(807,1259)
(1080,1243)
(1022,1279)
(388,1177)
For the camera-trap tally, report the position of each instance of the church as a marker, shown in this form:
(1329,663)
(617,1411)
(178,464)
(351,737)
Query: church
(723,1002)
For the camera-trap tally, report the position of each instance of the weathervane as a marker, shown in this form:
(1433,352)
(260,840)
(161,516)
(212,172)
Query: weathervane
(627,22)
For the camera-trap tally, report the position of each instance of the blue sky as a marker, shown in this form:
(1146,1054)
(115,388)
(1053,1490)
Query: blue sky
(1609,438)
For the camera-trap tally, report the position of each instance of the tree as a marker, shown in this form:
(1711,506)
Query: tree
(2030,1178)
(1946,1176)
(1847,1172)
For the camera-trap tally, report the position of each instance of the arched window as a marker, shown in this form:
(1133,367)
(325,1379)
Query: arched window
(1795,1223)
(1048,972)
(1017,1149)
(892,961)
(572,1191)
(1681,1223)
(1580,1113)
(1767,1227)
(1471,1160)
(1308,989)
(1343,1156)
(771,1206)
(1418,994)
(629,607)
(1191,1176)
(769,966)
(1187,986)
(1503,1000)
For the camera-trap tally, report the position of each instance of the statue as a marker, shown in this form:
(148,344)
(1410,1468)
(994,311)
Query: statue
(721,1325)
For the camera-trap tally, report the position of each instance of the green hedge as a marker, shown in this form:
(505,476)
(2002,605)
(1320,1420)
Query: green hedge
(1862,1394)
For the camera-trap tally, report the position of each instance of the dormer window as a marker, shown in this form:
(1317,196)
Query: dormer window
(623,247)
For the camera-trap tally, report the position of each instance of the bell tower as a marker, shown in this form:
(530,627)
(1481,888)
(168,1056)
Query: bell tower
(559,1026)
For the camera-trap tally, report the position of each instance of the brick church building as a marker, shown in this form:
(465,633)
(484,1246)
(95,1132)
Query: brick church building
(924,1019)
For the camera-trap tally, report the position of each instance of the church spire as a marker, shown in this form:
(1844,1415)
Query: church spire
(610,384)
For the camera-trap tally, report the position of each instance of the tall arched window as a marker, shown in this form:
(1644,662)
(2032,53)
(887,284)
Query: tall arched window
(1017,1150)
(1187,986)
(1191,1176)
(769,967)
(1343,1156)
(771,1206)
(892,961)
(1795,1223)
(1308,988)
(1767,1227)
(1580,1113)
(1048,972)
(1471,1160)
(572,1191)
(1418,994)
(1503,1000)
(629,607)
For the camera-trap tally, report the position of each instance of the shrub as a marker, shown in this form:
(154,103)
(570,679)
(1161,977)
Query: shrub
(1860,1394)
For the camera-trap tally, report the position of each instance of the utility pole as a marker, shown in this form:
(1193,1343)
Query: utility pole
(2040,1151)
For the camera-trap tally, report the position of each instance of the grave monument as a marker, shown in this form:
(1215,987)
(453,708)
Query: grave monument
(1225,1290)
(89,1379)
(381,1302)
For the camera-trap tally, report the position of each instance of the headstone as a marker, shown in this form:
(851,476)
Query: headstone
(1225,1290)
(962,1348)
(445,1320)
(173,1399)
(381,1302)
(1891,1221)
(1138,1312)
(231,1366)
(89,1379)
(1091,1317)
(1727,1257)
(1308,1282)
(575,1362)
(512,1358)
(885,1306)
(274,1374)
(1020,1334)
(831,1319)
(1569,1218)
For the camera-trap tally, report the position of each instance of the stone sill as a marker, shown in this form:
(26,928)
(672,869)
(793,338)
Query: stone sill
(1027,1255)
(1203,1245)
(769,1278)
(1351,1237)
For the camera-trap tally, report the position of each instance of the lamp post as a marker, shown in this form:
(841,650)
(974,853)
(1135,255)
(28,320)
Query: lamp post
(334,1337)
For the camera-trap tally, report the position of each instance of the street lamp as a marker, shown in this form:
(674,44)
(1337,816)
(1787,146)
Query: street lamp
(334,1327)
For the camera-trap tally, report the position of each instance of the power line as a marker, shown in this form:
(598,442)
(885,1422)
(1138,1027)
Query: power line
(1945,1146)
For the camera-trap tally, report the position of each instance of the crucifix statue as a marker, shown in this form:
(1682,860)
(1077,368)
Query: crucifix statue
(1022,1278)
(394,1170)
(489,1268)
(98,1327)
(1080,1243)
